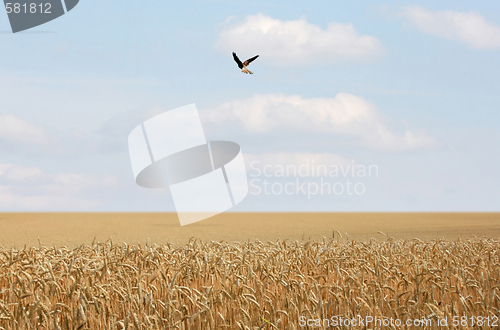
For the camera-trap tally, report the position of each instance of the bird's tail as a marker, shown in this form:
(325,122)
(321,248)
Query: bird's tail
(245,70)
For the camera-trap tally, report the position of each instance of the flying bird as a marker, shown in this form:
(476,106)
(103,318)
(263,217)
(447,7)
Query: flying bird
(243,66)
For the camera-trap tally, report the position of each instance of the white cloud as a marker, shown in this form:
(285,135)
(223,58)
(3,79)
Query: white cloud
(467,27)
(297,41)
(30,188)
(344,115)
(16,130)
(15,174)
(17,202)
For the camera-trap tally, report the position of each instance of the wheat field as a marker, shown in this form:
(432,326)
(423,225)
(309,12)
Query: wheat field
(250,271)
(253,285)
(74,229)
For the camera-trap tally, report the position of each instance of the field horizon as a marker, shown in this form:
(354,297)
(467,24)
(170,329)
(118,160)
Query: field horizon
(74,229)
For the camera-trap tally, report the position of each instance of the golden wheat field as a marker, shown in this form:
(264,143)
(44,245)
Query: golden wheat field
(273,282)
(73,229)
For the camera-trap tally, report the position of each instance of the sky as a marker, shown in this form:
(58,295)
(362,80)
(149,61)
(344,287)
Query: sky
(408,89)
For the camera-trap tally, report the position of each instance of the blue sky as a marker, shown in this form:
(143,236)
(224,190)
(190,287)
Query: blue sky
(422,76)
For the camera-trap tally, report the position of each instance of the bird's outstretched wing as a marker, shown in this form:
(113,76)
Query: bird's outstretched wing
(250,60)
(237,60)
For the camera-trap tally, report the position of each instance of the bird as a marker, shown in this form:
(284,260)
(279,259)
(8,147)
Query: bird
(243,66)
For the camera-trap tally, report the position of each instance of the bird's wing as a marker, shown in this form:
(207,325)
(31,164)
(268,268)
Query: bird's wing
(250,60)
(237,60)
